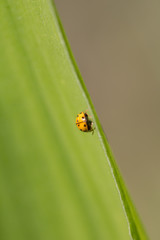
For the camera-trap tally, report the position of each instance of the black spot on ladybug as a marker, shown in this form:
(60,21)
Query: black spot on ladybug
(78,125)
(84,125)
(82,117)
(81,129)
(77,120)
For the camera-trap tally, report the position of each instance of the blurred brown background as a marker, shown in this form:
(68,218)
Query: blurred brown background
(116,44)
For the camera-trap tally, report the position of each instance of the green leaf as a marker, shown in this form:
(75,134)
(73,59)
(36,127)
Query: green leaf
(55,181)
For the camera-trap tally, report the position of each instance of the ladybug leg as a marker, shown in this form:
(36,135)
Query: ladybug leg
(86,110)
(88,115)
(93,130)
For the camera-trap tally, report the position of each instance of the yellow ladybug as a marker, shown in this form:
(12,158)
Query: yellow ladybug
(84,123)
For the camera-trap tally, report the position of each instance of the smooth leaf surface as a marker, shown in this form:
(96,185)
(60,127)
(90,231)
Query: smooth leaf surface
(56,182)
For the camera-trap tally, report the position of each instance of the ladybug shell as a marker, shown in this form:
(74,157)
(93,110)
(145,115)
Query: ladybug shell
(82,121)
